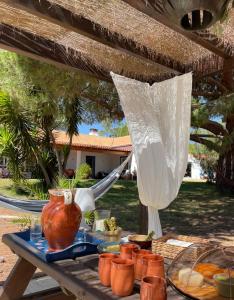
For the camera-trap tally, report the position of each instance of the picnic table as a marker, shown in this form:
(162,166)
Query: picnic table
(66,279)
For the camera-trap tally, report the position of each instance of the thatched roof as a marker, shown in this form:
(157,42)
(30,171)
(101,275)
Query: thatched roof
(133,38)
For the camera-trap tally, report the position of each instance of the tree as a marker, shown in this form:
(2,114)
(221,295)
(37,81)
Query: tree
(217,119)
(8,149)
(49,98)
(19,137)
(208,159)
(114,129)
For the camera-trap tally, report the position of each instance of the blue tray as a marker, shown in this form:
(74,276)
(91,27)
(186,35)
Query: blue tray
(77,249)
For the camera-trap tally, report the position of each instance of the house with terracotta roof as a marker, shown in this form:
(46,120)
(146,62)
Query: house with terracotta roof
(103,154)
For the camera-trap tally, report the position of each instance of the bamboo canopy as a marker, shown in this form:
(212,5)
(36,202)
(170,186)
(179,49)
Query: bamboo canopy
(129,37)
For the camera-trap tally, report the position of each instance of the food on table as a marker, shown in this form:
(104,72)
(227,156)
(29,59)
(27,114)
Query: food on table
(109,247)
(150,236)
(110,224)
(141,240)
(188,277)
(225,285)
(203,271)
(111,227)
(112,248)
(208,270)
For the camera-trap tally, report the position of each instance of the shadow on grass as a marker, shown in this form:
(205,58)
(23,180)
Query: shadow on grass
(199,209)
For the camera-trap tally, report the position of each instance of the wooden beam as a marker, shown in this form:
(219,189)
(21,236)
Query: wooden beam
(58,15)
(228,79)
(203,38)
(217,83)
(46,51)
(26,43)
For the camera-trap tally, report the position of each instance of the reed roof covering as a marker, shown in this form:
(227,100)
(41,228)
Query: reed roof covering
(133,38)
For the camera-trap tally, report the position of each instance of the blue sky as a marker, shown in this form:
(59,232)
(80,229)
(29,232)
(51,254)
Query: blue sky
(84,128)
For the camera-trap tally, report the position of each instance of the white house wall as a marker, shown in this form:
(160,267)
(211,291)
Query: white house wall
(196,170)
(72,160)
(104,162)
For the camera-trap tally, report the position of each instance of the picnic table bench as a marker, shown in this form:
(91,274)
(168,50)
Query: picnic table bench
(66,279)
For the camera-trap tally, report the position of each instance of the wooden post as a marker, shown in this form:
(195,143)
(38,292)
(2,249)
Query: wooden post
(143,218)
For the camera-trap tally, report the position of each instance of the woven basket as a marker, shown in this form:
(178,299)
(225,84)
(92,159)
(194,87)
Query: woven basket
(159,246)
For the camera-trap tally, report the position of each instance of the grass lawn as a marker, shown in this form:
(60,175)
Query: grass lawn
(199,208)
(6,188)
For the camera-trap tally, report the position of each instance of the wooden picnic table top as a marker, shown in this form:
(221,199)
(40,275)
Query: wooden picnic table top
(79,277)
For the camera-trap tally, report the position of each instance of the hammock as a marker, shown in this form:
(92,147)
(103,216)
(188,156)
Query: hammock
(36,206)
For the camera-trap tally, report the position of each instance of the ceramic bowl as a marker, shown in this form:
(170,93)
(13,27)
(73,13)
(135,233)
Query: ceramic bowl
(140,239)
(225,285)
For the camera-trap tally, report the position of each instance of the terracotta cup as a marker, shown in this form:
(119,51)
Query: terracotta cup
(122,276)
(137,255)
(153,265)
(104,268)
(127,249)
(153,288)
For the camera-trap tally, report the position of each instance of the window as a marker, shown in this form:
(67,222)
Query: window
(188,172)
(122,159)
(90,160)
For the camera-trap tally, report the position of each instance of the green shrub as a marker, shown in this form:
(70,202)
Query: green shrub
(23,222)
(64,183)
(83,172)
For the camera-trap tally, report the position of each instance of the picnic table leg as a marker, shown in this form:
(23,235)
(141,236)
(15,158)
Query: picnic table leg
(18,280)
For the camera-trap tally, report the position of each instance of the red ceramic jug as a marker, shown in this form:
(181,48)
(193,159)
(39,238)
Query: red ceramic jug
(104,268)
(153,288)
(137,255)
(60,219)
(122,277)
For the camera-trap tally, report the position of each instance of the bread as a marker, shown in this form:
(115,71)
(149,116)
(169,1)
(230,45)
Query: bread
(188,277)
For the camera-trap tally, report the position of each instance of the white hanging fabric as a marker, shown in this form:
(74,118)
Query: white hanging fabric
(158,119)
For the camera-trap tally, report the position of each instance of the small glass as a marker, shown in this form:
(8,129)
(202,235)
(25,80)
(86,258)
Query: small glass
(35,228)
(101,215)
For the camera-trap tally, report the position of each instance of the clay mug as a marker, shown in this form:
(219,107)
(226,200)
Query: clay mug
(104,268)
(122,276)
(127,249)
(137,255)
(153,288)
(153,265)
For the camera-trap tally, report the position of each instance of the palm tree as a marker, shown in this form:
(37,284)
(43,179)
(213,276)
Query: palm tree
(23,133)
(8,149)
(73,112)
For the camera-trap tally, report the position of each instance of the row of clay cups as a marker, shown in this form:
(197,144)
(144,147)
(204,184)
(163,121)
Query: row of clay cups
(145,262)
(119,272)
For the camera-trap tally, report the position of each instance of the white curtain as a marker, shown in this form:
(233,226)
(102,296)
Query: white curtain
(158,119)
